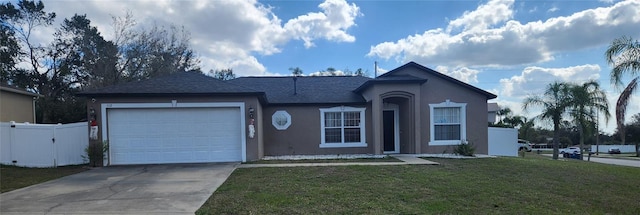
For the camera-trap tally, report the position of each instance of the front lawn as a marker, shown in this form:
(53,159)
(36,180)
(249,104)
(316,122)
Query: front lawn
(362,160)
(530,185)
(12,177)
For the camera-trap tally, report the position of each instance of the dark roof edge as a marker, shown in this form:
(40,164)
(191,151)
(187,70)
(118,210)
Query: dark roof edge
(316,104)
(446,77)
(368,83)
(19,91)
(261,95)
(86,94)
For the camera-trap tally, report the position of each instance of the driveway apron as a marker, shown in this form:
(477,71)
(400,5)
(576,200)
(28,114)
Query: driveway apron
(139,189)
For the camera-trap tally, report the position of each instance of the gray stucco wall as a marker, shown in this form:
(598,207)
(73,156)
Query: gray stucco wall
(303,135)
(437,90)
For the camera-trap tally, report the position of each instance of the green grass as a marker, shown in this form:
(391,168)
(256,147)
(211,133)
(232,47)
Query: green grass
(12,177)
(384,159)
(530,185)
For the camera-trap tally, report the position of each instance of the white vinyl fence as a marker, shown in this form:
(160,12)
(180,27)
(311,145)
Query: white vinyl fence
(43,145)
(623,148)
(503,141)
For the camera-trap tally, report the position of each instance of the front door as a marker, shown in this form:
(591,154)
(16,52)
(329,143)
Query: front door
(390,131)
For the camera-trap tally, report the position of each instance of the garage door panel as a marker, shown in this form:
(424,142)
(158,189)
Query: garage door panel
(174,135)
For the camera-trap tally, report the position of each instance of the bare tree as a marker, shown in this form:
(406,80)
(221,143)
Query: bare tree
(223,74)
(145,53)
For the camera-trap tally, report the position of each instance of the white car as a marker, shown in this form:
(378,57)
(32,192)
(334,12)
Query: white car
(570,150)
(524,145)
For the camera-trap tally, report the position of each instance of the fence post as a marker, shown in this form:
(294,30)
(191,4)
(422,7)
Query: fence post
(12,139)
(54,147)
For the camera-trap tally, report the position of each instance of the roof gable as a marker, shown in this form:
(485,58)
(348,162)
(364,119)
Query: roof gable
(437,74)
(396,79)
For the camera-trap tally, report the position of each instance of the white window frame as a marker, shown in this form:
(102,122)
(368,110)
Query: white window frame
(279,115)
(463,123)
(342,109)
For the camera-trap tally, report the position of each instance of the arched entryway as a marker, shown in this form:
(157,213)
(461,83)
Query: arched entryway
(398,123)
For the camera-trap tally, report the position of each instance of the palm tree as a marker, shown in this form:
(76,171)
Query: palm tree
(503,112)
(624,55)
(554,105)
(514,121)
(526,129)
(586,100)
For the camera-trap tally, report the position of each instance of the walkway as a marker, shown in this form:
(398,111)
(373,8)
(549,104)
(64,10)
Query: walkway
(615,161)
(405,160)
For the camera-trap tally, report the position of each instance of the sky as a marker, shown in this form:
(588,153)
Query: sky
(510,48)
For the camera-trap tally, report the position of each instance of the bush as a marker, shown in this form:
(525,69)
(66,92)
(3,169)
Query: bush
(95,152)
(465,149)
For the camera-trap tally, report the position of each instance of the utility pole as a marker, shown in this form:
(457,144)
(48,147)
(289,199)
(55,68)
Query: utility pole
(597,133)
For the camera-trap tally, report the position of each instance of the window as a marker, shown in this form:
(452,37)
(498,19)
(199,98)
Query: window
(448,123)
(342,127)
(281,120)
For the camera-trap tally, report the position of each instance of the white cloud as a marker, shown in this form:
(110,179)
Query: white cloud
(225,34)
(331,24)
(533,80)
(485,16)
(553,9)
(515,106)
(511,42)
(463,74)
(380,71)
(325,73)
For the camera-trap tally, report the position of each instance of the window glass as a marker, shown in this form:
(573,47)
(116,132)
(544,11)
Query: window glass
(447,123)
(343,127)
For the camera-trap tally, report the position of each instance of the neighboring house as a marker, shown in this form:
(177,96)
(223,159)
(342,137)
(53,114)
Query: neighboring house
(17,104)
(190,117)
(493,109)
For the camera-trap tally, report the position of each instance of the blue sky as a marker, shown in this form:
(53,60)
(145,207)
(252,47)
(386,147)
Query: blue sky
(511,48)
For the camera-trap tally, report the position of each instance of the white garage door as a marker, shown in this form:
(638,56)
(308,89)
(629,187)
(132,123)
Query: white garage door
(174,135)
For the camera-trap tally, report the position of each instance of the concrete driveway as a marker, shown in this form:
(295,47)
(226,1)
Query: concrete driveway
(140,189)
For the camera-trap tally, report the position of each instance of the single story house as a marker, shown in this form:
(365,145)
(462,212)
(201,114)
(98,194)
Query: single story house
(493,109)
(17,104)
(190,117)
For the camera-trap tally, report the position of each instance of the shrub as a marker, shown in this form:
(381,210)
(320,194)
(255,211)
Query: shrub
(95,152)
(465,148)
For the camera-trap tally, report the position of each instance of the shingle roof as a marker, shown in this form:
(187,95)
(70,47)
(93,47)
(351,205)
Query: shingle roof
(310,90)
(177,83)
(10,88)
(404,79)
(277,90)
(443,76)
